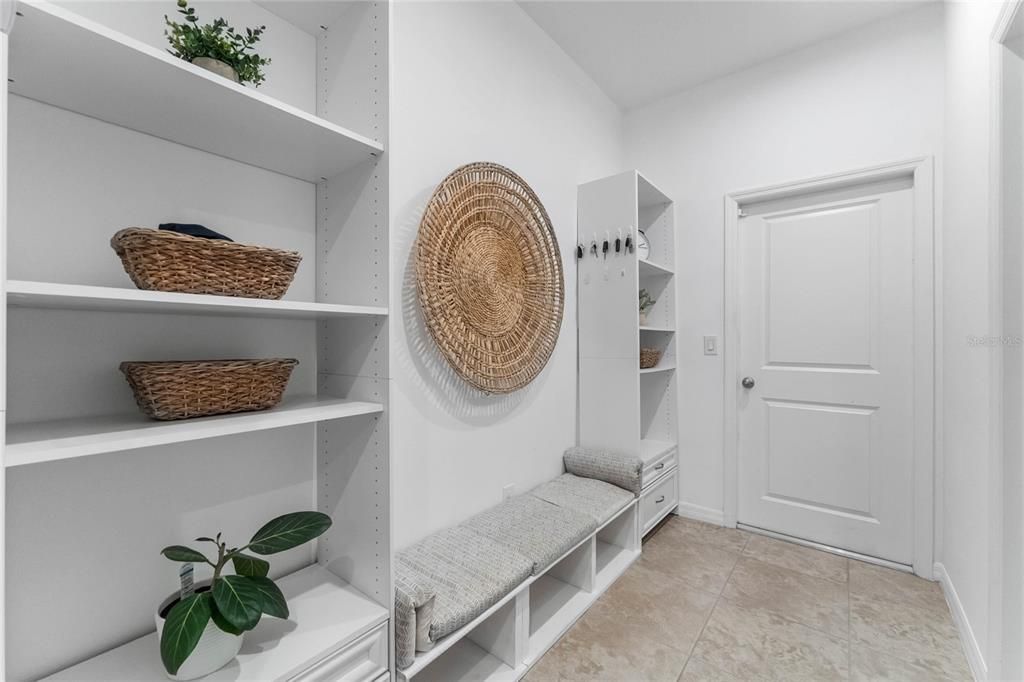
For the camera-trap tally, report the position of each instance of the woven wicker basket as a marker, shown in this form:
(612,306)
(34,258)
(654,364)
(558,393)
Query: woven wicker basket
(161,260)
(181,390)
(649,357)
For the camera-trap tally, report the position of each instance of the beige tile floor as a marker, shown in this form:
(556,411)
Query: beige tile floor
(710,603)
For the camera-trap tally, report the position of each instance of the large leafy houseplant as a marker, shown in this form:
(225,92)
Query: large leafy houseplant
(217,41)
(235,603)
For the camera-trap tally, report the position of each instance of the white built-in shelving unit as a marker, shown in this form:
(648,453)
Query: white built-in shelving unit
(622,406)
(106,130)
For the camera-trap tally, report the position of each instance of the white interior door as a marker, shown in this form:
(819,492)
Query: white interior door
(826,430)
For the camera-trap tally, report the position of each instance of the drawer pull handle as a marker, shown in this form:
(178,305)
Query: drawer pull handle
(659,466)
(660,500)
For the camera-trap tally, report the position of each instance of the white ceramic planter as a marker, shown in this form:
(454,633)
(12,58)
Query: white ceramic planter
(216,66)
(215,649)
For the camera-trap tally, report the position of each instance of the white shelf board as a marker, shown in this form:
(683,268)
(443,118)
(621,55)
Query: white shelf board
(24,294)
(649,269)
(65,60)
(554,606)
(612,561)
(658,368)
(651,449)
(659,330)
(325,614)
(467,661)
(35,442)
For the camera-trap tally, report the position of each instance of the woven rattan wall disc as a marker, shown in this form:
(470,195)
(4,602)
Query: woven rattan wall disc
(489,277)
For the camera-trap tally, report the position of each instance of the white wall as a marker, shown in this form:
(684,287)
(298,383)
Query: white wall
(474,82)
(871,96)
(970,516)
(1011,151)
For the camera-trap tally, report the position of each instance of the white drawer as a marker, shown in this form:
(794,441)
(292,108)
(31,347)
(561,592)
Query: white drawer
(659,500)
(657,466)
(363,660)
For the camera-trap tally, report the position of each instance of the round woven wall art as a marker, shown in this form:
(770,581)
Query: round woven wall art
(489,276)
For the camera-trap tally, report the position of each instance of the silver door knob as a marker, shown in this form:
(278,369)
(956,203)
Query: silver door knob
(748,382)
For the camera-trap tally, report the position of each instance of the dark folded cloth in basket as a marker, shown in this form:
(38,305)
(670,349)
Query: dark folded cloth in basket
(194,231)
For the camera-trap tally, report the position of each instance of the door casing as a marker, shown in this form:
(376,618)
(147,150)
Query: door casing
(926,296)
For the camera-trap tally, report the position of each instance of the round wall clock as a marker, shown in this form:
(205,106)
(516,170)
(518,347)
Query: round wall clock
(643,247)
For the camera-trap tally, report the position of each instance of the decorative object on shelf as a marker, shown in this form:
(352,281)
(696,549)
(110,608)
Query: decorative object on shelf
(646,303)
(649,357)
(163,260)
(489,277)
(193,230)
(643,247)
(200,388)
(201,629)
(216,47)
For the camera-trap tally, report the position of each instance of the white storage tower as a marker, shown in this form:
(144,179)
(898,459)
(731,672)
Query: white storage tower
(620,405)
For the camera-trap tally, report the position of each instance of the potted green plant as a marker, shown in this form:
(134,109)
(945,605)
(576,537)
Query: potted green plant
(646,303)
(201,632)
(216,47)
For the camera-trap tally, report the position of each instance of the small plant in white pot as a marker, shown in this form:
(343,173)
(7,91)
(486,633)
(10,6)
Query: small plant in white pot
(202,632)
(216,47)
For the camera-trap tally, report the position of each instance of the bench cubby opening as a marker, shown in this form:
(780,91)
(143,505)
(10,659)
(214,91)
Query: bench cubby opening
(491,649)
(617,544)
(560,595)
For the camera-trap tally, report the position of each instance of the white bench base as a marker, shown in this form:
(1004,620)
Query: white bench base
(504,641)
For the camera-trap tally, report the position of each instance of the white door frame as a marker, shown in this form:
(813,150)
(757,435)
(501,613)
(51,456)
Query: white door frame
(926,295)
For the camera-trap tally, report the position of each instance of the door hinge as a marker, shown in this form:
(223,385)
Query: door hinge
(741,213)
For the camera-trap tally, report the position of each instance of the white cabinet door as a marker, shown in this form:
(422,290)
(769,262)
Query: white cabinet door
(826,336)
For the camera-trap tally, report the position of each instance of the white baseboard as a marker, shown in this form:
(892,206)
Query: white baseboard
(699,513)
(963,627)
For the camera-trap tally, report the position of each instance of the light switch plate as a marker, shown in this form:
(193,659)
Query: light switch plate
(710,345)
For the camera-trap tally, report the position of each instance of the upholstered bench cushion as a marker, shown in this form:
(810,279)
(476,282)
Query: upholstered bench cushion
(535,528)
(447,580)
(594,498)
(610,466)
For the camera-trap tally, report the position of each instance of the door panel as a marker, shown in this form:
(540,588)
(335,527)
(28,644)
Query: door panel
(826,315)
(833,250)
(819,455)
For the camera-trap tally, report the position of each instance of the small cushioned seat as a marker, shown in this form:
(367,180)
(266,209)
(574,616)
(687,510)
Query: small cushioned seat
(596,499)
(445,581)
(535,528)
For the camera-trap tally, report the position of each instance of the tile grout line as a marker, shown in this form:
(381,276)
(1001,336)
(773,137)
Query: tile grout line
(789,617)
(711,611)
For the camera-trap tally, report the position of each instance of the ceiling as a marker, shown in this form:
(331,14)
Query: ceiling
(641,51)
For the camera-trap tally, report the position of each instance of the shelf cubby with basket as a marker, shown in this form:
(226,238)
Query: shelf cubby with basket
(622,405)
(105,131)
